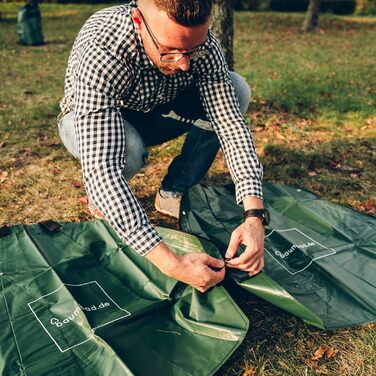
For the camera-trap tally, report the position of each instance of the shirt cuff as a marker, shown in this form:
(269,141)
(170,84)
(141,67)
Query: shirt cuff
(144,240)
(246,188)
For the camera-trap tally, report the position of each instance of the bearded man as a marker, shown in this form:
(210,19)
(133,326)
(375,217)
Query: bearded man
(139,75)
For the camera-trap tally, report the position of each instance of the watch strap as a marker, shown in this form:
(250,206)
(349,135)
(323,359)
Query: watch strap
(263,214)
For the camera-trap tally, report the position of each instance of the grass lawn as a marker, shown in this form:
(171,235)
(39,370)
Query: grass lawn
(313,116)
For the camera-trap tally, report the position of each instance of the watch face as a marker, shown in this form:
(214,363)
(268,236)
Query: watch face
(265,217)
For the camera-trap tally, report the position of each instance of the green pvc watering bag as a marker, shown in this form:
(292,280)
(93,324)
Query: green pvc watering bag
(76,301)
(29,26)
(320,258)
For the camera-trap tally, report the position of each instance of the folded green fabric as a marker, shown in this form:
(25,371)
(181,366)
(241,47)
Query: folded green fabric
(319,256)
(76,301)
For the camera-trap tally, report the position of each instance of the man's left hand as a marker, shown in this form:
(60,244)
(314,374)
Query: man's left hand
(251,234)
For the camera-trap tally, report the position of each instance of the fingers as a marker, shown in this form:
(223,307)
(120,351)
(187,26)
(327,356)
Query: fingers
(251,260)
(214,262)
(250,255)
(236,238)
(210,278)
(257,268)
(253,265)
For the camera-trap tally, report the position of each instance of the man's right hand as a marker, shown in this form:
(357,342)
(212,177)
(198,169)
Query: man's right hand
(195,269)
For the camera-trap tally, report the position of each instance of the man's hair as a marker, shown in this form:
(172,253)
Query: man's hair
(186,12)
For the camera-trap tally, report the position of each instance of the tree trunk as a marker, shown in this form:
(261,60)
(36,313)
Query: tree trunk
(223,27)
(312,16)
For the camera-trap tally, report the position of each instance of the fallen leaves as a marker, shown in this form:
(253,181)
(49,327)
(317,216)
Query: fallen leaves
(321,353)
(76,183)
(369,124)
(368,206)
(260,150)
(331,352)
(3,176)
(249,372)
(55,171)
(83,200)
(354,171)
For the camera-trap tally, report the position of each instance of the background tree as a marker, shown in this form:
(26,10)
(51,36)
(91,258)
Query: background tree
(312,16)
(223,27)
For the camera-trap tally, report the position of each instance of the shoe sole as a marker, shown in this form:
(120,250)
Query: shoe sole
(164,211)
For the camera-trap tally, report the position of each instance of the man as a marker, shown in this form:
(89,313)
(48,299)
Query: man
(139,75)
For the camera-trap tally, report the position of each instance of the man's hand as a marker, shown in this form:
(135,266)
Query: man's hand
(251,234)
(196,269)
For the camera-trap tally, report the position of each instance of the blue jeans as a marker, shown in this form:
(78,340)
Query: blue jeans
(185,114)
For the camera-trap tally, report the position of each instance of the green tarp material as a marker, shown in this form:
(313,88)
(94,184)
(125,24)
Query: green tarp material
(29,26)
(76,301)
(319,257)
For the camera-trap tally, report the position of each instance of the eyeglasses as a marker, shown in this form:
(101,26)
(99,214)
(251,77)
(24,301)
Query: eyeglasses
(173,57)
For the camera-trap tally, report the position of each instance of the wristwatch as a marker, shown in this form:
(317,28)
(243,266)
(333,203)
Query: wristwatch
(263,214)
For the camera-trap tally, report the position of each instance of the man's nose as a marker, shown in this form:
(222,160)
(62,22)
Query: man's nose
(183,63)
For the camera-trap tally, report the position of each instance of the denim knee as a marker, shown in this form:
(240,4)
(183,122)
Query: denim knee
(242,90)
(136,152)
(68,135)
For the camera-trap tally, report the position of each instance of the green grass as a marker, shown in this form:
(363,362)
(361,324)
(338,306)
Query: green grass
(313,117)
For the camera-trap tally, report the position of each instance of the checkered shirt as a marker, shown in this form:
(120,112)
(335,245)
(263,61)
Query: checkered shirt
(108,69)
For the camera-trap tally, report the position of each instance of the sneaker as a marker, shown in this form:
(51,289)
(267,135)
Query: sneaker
(169,206)
(94,211)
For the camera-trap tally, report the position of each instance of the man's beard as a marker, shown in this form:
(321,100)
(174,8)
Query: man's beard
(168,71)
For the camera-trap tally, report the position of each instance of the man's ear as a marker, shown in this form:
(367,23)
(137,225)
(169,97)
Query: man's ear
(137,18)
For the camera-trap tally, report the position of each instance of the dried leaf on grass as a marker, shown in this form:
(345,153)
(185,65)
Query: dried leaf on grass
(55,171)
(260,151)
(3,176)
(76,183)
(249,372)
(368,206)
(348,169)
(83,200)
(310,362)
(370,123)
(319,352)
(331,352)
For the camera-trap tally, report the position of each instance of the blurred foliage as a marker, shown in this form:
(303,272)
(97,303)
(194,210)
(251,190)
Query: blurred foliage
(246,4)
(333,6)
(363,7)
(366,7)
(288,5)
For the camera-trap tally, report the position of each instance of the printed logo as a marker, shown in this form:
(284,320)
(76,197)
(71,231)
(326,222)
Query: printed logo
(294,250)
(71,322)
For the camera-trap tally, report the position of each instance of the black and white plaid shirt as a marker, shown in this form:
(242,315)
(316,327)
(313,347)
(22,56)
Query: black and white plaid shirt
(109,69)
